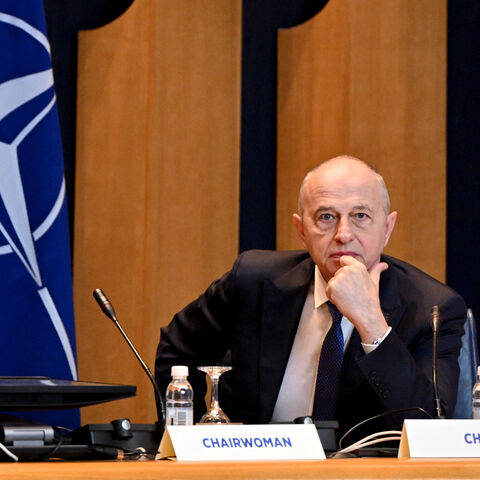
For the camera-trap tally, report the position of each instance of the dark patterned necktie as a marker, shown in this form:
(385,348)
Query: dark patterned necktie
(329,366)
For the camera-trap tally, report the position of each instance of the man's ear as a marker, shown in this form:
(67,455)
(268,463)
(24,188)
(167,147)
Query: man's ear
(391,219)
(297,220)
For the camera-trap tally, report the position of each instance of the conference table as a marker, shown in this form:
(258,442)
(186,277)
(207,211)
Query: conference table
(341,468)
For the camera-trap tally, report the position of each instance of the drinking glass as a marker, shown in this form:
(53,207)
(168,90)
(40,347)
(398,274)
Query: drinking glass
(214,413)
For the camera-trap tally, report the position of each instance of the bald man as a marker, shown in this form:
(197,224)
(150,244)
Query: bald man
(272,312)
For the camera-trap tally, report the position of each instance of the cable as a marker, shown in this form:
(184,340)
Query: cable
(8,452)
(103,451)
(54,449)
(372,440)
(138,454)
(384,414)
(357,451)
(373,435)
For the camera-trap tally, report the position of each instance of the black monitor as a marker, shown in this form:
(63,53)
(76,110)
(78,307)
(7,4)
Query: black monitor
(45,393)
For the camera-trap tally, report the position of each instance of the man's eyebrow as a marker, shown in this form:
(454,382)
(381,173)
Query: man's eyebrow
(363,207)
(325,208)
(322,208)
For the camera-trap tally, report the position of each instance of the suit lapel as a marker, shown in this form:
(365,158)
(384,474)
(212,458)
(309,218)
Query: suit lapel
(390,301)
(283,301)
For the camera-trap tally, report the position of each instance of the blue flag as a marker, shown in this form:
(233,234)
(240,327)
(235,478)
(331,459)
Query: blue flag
(37,335)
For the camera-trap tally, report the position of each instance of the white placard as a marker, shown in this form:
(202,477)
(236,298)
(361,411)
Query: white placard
(241,442)
(440,439)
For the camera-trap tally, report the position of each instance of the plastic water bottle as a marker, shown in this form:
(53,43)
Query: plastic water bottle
(476,397)
(179,398)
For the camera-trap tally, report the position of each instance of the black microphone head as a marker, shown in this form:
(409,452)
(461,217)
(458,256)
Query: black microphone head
(104,303)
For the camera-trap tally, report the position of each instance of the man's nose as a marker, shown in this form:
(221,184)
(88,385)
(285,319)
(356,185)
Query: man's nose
(344,232)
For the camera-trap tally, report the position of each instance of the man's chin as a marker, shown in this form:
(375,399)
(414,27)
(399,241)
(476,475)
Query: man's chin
(330,269)
(333,264)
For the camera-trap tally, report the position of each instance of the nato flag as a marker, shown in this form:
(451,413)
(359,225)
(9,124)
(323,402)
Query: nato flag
(37,335)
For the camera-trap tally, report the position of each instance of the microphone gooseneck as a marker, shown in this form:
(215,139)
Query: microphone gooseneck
(437,404)
(109,311)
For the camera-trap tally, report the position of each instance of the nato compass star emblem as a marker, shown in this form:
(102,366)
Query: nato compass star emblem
(13,94)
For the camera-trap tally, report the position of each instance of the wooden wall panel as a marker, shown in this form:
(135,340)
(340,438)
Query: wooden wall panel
(368,78)
(156,212)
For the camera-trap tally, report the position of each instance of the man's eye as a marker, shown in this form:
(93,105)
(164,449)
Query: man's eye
(326,217)
(361,215)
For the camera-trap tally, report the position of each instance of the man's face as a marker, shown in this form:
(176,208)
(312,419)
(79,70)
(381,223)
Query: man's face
(343,214)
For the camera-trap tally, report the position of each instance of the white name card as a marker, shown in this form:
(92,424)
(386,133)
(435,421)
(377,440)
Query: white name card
(440,439)
(241,442)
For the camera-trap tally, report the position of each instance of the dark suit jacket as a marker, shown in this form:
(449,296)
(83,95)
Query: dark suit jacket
(254,311)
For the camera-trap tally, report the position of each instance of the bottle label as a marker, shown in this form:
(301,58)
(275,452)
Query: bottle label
(179,416)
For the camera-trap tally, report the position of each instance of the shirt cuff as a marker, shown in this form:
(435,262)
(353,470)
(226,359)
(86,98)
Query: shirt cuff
(370,347)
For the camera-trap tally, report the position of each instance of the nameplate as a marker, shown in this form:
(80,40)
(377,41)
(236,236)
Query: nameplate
(440,439)
(241,442)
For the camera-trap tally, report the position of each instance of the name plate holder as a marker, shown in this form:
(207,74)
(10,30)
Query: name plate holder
(241,442)
(440,439)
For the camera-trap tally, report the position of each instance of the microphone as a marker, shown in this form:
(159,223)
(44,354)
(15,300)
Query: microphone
(435,320)
(109,311)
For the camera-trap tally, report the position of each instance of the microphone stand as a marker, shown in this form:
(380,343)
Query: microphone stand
(109,311)
(437,405)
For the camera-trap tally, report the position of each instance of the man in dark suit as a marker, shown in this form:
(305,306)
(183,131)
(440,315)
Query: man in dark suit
(271,312)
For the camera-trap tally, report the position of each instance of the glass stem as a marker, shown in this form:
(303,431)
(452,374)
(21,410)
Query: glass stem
(214,405)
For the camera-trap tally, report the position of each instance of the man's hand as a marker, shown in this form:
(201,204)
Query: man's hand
(354,290)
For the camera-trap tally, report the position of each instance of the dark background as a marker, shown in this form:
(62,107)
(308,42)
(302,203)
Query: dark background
(258,152)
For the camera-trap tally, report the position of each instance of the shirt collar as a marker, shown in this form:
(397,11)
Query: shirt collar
(320,285)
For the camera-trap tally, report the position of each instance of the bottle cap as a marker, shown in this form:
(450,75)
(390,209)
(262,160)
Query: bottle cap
(179,371)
